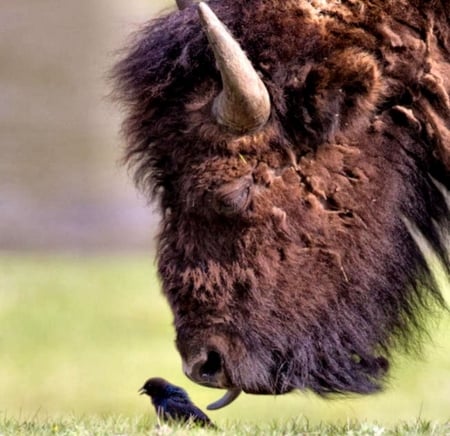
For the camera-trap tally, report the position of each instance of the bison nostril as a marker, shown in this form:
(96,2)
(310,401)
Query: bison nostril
(208,370)
(212,366)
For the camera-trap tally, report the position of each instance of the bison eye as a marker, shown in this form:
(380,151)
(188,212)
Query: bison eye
(233,198)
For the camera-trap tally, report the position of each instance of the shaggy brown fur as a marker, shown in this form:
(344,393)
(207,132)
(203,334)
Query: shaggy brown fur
(284,253)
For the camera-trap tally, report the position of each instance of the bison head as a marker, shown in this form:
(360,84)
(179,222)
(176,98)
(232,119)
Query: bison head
(290,146)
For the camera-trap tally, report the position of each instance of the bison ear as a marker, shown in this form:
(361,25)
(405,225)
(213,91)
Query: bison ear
(358,78)
(336,95)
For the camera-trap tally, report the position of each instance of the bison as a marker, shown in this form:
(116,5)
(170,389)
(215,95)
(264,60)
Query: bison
(294,148)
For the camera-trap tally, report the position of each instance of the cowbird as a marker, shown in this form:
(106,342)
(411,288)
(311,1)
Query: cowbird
(173,403)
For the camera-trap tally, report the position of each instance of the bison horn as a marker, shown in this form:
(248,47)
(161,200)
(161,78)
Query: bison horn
(244,103)
(228,398)
(183,4)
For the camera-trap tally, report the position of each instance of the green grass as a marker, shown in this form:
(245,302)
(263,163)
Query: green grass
(133,426)
(79,336)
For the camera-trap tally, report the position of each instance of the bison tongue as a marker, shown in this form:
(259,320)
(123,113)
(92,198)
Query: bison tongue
(228,398)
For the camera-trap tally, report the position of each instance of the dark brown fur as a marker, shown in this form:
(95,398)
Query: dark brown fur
(286,250)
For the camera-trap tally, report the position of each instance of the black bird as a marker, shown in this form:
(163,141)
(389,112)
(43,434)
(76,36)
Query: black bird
(172,402)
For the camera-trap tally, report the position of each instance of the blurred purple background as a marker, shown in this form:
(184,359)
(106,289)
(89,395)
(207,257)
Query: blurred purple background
(61,184)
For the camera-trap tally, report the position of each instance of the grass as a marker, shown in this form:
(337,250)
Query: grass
(79,336)
(141,426)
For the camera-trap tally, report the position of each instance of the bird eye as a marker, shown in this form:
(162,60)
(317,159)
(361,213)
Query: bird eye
(233,198)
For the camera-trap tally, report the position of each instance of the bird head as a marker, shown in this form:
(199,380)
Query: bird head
(154,387)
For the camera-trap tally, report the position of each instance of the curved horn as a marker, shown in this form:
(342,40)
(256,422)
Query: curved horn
(228,398)
(183,4)
(244,103)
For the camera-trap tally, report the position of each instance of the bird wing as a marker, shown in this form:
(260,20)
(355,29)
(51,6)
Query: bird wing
(181,408)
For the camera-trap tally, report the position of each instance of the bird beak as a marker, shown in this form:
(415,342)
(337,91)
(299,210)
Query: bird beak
(141,391)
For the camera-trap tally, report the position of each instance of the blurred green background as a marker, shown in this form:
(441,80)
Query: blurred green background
(82,319)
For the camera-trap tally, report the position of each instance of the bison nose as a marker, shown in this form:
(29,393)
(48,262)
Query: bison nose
(206,369)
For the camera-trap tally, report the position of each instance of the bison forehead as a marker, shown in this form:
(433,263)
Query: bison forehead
(322,202)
